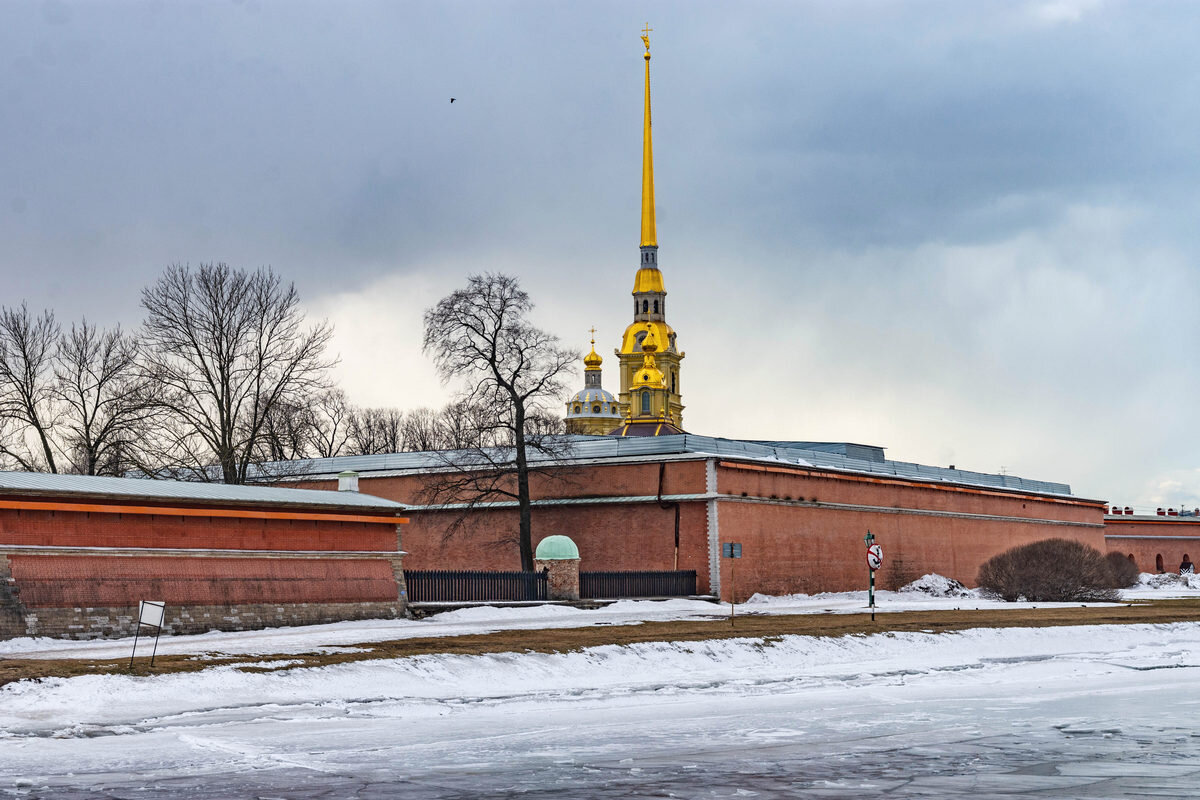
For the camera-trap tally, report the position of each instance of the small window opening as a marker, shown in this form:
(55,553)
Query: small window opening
(645,306)
(1158,562)
(646,409)
(655,306)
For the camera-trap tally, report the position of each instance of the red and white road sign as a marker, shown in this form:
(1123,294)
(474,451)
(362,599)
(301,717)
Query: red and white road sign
(874,557)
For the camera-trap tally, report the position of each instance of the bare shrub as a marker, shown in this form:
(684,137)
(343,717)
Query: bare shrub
(1125,572)
(1052,570)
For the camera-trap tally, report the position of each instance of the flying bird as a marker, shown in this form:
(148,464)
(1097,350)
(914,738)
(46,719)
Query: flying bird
(451,99)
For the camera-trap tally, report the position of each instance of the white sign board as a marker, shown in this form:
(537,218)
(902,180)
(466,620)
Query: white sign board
(874,557)
(150,612)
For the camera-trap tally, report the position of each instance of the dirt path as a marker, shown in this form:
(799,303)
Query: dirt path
(567,639)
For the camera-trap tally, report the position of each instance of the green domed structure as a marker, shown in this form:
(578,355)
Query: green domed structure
(556,548)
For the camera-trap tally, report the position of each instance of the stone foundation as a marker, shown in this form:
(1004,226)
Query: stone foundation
(12,613)
(112,622)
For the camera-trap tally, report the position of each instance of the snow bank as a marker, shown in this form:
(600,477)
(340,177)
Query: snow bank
(1169,580)
(936,585)
(89,705)
(319,638)
(1167,585)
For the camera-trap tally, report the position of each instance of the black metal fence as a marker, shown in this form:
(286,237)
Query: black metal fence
(607,585)
(447,585)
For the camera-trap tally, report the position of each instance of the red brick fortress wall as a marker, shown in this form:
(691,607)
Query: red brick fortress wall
(1147,538)
(801,528)
(73,570)
(88,529)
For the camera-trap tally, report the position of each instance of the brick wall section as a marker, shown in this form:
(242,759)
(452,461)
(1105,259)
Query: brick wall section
(73,593)
(753,480)
(76,529)
(788,549)
(75,581)
(106,622)
(1172,538)
(637,536)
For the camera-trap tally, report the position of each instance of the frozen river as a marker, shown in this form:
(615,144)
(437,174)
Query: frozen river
(1064,713)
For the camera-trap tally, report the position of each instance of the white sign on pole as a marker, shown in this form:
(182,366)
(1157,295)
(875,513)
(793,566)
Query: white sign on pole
(874,557)
(150,612)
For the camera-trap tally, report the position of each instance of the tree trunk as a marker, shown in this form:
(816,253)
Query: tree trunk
(526,534)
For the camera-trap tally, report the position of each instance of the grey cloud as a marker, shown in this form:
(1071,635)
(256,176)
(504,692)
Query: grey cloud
(813,155)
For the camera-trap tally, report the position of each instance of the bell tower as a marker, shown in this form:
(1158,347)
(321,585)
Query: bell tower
(649,293)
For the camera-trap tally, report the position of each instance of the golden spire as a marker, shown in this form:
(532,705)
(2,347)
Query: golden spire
(593,360)
(649,235)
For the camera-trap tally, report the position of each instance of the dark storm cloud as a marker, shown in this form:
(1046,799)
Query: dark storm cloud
(899,128)
(298,134)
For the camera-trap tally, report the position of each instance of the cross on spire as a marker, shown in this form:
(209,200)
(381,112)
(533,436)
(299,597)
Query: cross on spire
(646,35)
(593,332)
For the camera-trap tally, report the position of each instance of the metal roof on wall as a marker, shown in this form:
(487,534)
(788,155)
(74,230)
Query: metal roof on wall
(588,448)
(40,483)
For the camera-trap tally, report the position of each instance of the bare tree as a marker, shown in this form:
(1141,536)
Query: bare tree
(330,435)
(105,406)
(463,425)
(546,423)
(27,407)
(226,348)
(513,372)
(422,430)
(375,430)
(287,432)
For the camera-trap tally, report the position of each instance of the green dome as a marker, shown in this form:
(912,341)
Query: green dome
(558,548)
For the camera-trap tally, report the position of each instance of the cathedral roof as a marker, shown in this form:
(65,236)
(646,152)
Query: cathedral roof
(644,427)
(593,395)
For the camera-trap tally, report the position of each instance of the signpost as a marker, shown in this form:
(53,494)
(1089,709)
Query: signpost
(874,562)
(731,550)
(150,612)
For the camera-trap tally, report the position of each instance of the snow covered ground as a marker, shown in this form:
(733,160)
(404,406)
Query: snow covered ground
(318,638)
(1089,711)
(1100,711)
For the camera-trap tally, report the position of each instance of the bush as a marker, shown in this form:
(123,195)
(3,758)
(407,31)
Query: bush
(1052,570)
(1125,572)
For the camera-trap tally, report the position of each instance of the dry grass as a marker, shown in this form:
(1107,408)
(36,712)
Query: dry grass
(567,639)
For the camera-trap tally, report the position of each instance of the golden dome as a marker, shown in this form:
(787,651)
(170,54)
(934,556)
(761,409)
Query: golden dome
(649,375)
(648,279)
(593,360)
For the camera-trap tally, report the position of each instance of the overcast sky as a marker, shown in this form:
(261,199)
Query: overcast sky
(966,232)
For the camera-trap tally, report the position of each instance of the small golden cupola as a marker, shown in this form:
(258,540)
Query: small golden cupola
(649,291)
(649,376)
(592,411)
(650,397)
